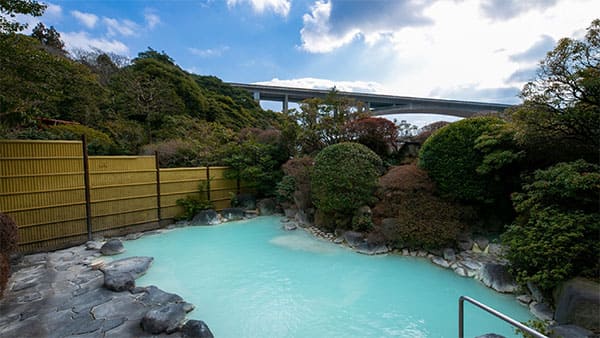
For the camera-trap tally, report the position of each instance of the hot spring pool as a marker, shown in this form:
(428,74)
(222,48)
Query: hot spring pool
(253,279)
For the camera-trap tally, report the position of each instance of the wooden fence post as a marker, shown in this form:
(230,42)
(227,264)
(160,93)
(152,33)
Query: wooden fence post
(86,182)
(208,183)
(157,165)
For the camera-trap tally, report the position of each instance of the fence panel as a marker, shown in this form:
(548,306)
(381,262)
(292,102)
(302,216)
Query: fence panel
(122,191)
(42,189)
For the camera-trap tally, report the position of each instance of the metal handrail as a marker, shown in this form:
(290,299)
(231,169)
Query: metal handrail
(461,332)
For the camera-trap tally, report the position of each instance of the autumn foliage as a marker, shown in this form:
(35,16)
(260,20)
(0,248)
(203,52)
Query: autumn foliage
(409,214)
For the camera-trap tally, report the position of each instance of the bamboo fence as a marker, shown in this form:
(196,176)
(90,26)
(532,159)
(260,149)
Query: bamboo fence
(59,196)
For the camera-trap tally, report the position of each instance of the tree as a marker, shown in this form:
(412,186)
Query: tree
(323,121)
(10,8)
(37,84)
(561,110)
(379,134)
(49,38)
(556,235)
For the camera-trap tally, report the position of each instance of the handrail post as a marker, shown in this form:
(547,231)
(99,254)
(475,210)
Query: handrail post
(461,317)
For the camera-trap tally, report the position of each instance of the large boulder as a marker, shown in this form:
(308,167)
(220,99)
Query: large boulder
(196,329)
(155,296)
(244,201)
(167,318)
(118,281)
(112,247)
(136,266)
(570,331)
(541,311)
(578,302)
(497,277)
(353,238)
(366,248)
(233,214)
(206,217)
(266,206)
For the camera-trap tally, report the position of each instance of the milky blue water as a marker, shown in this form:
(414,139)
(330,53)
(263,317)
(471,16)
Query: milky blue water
(253,279)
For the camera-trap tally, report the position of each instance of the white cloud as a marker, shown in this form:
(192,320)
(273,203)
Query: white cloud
(120,27)
(52,10)
(281,7)
(152,19)
(450,50)
(82,40)
(87,19)
(316,33)
(210,52)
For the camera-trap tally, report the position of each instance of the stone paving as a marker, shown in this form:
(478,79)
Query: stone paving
(59,294)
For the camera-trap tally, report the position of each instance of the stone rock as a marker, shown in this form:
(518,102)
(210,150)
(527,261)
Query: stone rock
(290,226)
(541,311)
(244,201)
(578,303)
(266,206)
(490,335)
(421,253)
(290,213)
(440,262)
(196,329)
(338,240)
(536,293)
(465,242)
(305,217)
(449,254)
(371,249)
(353,238)
(164,319)
(481,242)
(134,236)
(233,214)
(118,281)
(460,271)
(154,295)
(112,247)
(495,249)
(137,266)
(405,252)
(93,245)
(206,217)
(524,299)
(497,277)
(570,331)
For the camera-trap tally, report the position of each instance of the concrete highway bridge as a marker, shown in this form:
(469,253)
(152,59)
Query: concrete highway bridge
(377,103)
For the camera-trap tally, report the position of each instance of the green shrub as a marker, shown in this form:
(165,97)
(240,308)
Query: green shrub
(295,185)
(98,143)
(471,160)
(192,205)
(344,178)
(556,235)
(409,214)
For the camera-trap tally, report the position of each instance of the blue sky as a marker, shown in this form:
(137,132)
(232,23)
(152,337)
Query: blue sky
(477,50)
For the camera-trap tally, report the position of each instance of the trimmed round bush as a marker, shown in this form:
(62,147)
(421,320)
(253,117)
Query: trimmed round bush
(451,159)
(344,178)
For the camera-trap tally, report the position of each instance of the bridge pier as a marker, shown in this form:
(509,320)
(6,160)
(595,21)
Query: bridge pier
(285,104)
